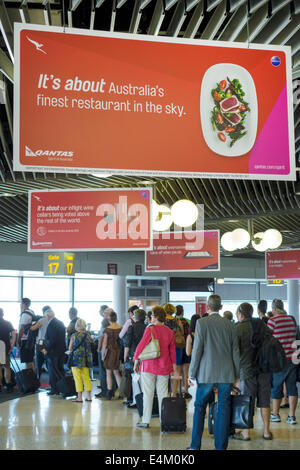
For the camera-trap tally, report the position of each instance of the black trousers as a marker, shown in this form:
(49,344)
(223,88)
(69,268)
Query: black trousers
(56,370)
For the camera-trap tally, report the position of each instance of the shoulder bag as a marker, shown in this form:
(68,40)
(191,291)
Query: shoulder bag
(70,358)
(152,350)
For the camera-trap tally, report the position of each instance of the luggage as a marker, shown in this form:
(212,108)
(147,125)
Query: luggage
(66,386)
(26,379)
(140,403)
(173,414)
(241,416)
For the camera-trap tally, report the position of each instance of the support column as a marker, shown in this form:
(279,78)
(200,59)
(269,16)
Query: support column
(293,298)
(119,298)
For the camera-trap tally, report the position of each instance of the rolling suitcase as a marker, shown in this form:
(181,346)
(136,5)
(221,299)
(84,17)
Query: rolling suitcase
(26,379)
(140,403)
(66,386)
(173,414)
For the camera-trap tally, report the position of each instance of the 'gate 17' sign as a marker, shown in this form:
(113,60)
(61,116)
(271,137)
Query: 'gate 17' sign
(59,264)
(95,220)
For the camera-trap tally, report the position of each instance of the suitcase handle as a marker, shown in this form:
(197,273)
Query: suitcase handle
(15,369)
(180,384)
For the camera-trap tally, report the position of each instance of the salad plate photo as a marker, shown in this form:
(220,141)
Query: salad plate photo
(228,110)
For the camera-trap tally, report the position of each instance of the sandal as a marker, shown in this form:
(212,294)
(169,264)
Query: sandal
(239,436)
(269,438)
(77,401)
(88,399)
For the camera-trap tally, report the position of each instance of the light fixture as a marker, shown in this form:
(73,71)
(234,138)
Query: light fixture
(258,242)
(272,238)
(227,242)
(184,213)
(163,220)
(220,280)
(240,238)
(101,175)
(261,241)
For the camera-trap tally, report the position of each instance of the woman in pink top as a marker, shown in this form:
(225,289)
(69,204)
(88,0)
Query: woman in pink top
(155,372)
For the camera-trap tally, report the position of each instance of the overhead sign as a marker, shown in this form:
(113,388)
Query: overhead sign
(184,251)
(90,220)
(101,101)
(59,264)
(275,282)
(201,306)
(283,264)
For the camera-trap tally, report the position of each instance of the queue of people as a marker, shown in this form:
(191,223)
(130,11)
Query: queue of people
(211,352)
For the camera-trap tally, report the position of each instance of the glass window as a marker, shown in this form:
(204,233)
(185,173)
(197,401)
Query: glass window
(9,288)
(12,311)
(88,290)
(47,289)
(89,311)
(61,309)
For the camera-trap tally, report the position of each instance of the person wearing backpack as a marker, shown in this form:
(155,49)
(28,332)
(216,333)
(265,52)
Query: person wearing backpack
(252,382)
(40,328)
(284,329)
(176,326)
(26,320)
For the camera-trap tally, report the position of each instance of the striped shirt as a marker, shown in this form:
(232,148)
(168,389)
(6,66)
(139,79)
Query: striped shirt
(284,329)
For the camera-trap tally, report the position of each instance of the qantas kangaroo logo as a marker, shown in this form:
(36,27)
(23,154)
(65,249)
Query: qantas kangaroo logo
(37,45)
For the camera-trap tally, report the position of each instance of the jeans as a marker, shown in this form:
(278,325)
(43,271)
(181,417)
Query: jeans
(222,426)
(56,370)
(102,375)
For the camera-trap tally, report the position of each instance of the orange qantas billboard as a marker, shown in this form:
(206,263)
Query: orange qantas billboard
(89,101)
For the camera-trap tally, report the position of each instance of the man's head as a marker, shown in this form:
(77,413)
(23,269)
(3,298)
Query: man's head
(214,303)
(262,307)
(102,310)
(1,313)
(244,311)
(25,303)
(179,310)
(49,314)
(72,313)
(44,309)
(227,314)
(139,315)
(278,307)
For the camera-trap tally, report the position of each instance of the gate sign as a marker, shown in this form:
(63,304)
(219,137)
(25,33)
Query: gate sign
(88,101)
(59,264)
(90,220)
(283,264)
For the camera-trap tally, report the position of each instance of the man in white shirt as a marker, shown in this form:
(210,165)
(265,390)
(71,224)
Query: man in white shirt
(27,316)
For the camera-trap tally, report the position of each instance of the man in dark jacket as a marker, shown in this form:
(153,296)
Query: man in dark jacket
(55,350)
(132,338)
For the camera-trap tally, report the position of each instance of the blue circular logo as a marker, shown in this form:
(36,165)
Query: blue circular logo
(275,61)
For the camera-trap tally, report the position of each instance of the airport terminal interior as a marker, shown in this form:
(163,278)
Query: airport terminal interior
(118,278)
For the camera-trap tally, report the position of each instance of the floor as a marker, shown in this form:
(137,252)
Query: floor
(39,422)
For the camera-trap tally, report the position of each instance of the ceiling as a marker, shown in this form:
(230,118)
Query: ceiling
(228,203)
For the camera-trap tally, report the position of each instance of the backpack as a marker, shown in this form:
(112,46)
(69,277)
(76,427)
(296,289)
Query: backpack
(32,335)
(176,326)
(186,327)
(269,354)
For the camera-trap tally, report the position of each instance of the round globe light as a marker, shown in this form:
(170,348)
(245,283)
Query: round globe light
(272,238)
(227,242)
(184,213)
(164,220)
(261,245)
(240,238)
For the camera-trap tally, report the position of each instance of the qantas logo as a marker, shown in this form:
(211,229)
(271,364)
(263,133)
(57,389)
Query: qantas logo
(51,153)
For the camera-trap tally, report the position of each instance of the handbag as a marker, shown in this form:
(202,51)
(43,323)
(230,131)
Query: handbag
(242,411)
(152,350)
(70,357)
(241,416)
